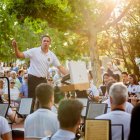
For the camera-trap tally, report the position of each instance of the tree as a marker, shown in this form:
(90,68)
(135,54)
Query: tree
(122,41)
(83,17)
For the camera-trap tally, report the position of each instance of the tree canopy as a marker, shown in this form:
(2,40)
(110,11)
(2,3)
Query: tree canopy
(78,28)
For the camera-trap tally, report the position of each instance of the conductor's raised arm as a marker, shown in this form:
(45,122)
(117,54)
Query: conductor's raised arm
(18,53)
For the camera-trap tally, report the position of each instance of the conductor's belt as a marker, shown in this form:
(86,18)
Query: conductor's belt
(30,75)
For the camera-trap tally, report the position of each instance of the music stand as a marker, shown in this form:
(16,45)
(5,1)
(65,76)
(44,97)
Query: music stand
(25,106)
(98,129)
(96,109)
(4,109)
(118,129)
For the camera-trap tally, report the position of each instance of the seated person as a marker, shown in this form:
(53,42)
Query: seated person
(24,87)
(5,130)
(118,96)
(69,116)
(58,96)
(43,122)
(93,93)
(14,92)
(128,106)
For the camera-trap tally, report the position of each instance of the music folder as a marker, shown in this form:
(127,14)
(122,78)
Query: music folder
(98,129)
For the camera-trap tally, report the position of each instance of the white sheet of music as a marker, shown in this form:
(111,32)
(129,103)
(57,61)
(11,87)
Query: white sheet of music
(78,72)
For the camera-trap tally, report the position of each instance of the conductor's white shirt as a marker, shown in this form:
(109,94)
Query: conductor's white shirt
(40,61)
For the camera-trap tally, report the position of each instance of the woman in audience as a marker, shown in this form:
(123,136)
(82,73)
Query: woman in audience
(135,124)
(93,92)
(102,88)
(14,93)
(134,87)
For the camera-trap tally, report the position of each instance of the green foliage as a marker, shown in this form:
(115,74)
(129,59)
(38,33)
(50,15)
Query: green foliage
(123,40)
(70,23)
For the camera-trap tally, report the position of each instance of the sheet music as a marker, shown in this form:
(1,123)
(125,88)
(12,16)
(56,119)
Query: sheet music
(97,130)
(78,72)
(96,109)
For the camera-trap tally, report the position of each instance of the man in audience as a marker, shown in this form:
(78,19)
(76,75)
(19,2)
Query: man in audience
(118,96)
(5,130)
(69,116)
(124,77)
(42,122)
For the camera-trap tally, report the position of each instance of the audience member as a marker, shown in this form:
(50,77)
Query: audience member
(102,88)
(124,77)
(93,93)
(14,92)
(24,87)
(134,87)
(16,80)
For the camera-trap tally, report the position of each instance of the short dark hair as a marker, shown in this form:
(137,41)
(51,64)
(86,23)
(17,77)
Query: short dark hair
(108,86)
(44,92)
(90,73)
(125,73)
(69,112)
(46,36)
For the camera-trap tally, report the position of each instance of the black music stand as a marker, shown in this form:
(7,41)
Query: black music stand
(3,109)
(25,106)
(96,109)
(118,129)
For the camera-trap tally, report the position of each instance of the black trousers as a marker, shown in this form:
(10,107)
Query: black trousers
(33,81)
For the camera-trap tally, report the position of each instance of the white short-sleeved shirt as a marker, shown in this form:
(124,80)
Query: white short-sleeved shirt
(41,123)
(14,93)
(93,91)
(40,61)
(134,88)
(128,106)
(4,126)
(118,117)
(62,135)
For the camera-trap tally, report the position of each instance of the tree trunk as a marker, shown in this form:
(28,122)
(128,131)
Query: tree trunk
(94,56)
